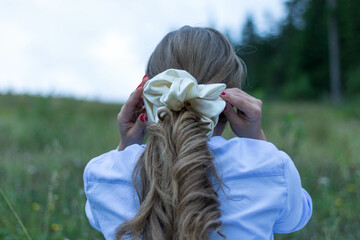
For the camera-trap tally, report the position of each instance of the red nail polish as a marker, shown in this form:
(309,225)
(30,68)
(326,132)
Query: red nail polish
(142,117)
(223,93)
(139,86)
(145,76)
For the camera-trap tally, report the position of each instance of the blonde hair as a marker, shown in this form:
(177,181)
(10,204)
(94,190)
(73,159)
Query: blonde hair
(172,176)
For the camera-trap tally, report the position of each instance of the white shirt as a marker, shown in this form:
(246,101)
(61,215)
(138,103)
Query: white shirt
(263,193)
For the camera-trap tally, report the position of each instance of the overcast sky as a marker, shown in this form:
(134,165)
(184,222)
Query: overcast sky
(98,49)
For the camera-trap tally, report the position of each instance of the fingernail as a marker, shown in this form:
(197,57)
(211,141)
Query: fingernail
(145,76)
(143,117)
(139,86)
(223,93)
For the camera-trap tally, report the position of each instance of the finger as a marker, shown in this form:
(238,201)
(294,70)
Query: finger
(249,98)
(144,80)
(140,102)
(237,100)
(246,104)
(235,92)
(239,92)
(230,114)
(136,96)
(140,124)
(131,105)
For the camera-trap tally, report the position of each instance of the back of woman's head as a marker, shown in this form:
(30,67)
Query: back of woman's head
(203,52)
(172,177)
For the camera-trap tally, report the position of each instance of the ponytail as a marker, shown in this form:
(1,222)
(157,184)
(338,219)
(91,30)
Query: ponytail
(177,199)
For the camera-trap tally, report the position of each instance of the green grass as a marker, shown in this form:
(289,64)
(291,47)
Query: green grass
(45,144)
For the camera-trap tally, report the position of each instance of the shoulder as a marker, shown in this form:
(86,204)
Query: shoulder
(245,165)
(241,144)
(108,189)
(244,157)
(113,166)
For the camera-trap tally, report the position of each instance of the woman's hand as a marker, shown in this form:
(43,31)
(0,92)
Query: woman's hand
(132,119)
(246,121)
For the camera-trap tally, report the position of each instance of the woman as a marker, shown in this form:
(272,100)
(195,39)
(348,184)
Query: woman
(190,182)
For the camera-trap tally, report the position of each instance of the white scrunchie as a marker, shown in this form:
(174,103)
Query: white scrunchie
(174,89)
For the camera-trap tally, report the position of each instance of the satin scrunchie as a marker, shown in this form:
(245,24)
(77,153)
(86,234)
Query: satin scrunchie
(175,89)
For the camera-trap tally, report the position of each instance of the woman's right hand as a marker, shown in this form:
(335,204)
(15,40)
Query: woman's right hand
(246,121)
(132,118)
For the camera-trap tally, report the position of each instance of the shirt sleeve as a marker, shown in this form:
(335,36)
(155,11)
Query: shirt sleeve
(88,206)
(89,213)
(297,209)
(109,190)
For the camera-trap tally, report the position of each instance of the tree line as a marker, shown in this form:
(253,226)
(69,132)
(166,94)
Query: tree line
(317,43)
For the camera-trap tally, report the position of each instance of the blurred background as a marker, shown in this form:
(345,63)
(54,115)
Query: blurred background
(98,49)
(67,66)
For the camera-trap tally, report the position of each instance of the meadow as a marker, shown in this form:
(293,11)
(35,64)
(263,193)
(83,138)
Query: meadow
(46,142)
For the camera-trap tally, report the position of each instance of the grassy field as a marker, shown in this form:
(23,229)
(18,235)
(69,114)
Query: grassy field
(45,144)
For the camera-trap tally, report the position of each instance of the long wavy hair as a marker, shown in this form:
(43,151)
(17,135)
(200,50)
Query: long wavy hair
(172,176)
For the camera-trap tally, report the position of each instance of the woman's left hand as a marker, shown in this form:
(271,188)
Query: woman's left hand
(132,119)
(246,120)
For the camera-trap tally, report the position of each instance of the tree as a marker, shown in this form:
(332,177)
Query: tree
(299,60)
(334,55)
